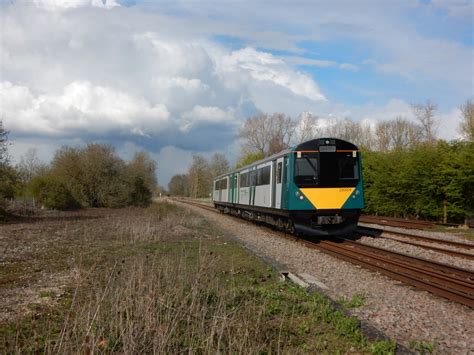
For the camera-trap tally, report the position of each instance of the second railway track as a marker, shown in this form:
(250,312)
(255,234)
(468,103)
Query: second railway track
(440,279)
(409,238)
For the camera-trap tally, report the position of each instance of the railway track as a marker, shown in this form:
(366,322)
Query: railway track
(396,222)
(452,283)
(409,239)
(404,223)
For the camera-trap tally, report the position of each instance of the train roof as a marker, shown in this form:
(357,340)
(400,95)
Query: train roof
(308,145)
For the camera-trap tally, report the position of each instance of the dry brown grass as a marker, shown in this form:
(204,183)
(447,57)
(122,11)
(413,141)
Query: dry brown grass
(156,280)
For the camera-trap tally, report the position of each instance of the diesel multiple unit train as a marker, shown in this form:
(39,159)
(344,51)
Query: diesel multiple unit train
(312,188)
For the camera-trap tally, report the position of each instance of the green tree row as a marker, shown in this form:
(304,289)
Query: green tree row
(433,181)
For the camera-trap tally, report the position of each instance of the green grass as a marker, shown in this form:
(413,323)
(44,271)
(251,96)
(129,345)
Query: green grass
(357,300)
(165,280)
(422,347)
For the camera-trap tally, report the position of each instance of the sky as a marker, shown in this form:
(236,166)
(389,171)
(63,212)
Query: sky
(177,78)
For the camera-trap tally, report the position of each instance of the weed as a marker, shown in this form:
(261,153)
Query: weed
(422,347)
(383,347)
(357,300)
(139,284)
(47,294)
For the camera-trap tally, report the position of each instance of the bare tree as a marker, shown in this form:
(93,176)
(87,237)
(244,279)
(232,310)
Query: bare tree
(306,128)
(179,185)
(356,132)
(30,165)
(219,165)
(366,137)
(267,134)
(382,136)
(255,133)
(200,178)
(7,173)
(4,157)
(282,129)
(467,125)
(425,115)
(397,134)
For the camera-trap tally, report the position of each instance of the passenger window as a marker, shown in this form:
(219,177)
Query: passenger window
(263,176)
(244,180)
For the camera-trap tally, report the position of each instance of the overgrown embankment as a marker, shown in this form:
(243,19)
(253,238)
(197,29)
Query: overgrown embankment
(154,280)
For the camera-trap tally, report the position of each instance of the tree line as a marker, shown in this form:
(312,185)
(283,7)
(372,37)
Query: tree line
(197,181)
(407,169)
(92,176)
(266,134)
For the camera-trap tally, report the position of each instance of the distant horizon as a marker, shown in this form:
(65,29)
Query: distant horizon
(177,79)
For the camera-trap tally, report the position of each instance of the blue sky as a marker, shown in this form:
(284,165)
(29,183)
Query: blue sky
(178,78)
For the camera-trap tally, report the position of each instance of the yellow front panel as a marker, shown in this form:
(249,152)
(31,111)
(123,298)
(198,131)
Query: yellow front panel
(328,198)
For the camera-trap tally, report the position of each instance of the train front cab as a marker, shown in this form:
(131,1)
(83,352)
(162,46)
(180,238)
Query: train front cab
(325,193)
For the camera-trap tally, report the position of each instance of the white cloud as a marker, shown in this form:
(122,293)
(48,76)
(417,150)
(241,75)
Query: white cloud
(80,107)
(458,9)
(123,71)
(249,64)
(200,114)
(67,4)
(45,148)
(348,66)
(319,63)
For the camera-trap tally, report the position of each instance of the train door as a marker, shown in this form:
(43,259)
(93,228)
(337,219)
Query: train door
(253,184)
(233,188)
(285,182)
(225,189)
(219,186)
(278,182)
(273,184)
(237,188)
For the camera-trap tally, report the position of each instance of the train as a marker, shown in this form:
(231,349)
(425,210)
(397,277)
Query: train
(314,188)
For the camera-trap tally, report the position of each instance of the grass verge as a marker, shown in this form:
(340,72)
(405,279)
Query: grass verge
(158,280)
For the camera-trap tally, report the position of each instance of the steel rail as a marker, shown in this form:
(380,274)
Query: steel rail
(395,219)
(445,273)
(399,274)
(373,232)
(453,283)
(405,223)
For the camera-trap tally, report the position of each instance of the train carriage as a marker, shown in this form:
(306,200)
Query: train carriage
(314,187)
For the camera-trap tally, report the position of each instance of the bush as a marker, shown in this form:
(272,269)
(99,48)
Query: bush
(53,193)
(96,177)
(428,181)
(8,181)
